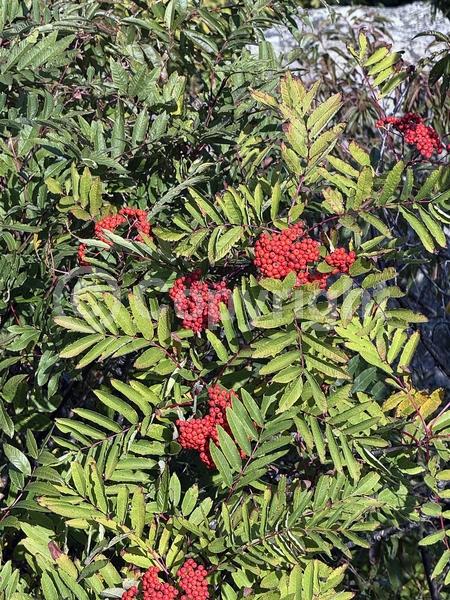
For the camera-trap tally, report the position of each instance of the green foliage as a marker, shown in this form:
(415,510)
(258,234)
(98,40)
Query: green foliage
(329,449)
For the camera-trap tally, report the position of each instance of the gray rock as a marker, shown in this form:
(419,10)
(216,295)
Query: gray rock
(397,26)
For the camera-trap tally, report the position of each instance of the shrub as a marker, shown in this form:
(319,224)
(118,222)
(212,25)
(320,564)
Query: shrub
(206,387)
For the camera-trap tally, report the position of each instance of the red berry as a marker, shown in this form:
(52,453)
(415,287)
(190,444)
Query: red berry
(191,579)
(320,278)
(82,254)
(197,302)
(134,217)
(341,260)
(153,587)
(196,434)
(108,224)
(130,594)
(279,254)
(415,133)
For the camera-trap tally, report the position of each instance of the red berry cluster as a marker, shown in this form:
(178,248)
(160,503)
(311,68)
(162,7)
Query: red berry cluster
(341,260)
(197,302)
(320,278)
(108,224)
(82,254)
(130,594)
(415,133)
(191,580)
(153,587)
(134,217)
(278,254)
(196,433)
